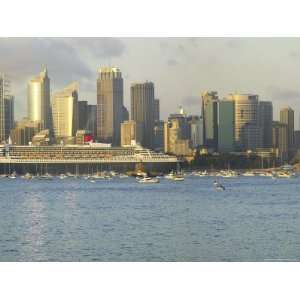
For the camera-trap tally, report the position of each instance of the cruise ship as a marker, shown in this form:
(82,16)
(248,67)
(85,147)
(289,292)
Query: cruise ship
(82,159)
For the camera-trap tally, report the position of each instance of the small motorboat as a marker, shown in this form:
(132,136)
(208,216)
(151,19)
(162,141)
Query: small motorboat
(178,177)
(46,176)
(13,175)
(148,180)
(27,176)
(123,176)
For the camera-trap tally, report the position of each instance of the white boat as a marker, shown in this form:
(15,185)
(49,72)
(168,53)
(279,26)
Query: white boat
(46,176)
(148,180)
(201,173)
(249,174)
(178,178)
(175,176)
(285,175)
(229,174)
(141,174)
(123,176)
(13,175)
(62,176)
(170,175)
(98,176)
(27,176)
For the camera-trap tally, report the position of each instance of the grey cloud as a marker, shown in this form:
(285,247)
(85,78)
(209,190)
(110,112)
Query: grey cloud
(191,101)
(284,94)
(294,54)
(163,45)
(103,47)
(234,43)
(24,57)
(172,62)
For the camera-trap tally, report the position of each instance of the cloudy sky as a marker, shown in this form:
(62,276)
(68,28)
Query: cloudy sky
(181,68)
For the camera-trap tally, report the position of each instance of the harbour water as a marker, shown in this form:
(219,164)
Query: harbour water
(253,219)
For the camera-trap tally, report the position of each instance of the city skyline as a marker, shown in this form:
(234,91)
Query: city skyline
(181,68)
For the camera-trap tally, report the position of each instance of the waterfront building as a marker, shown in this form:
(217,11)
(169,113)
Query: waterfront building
(226,126)
(183,126)
(131,133)
(177,135)
(210,119)
(38,98)
(65,112)
(265,111)
(9,115)
(92,120)
(159,135)
(196,130)
(280,139)
(24,131)
(156,110)
(246,121)
(142,109)
(297,139)
(82,114)
(287,117)
(109,105)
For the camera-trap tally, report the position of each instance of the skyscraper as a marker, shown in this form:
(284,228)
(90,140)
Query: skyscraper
(92,120)
(265,110)
(142,109)
(287,117)
(210,119)
(5,100)
(246,121)
(158,135)
(226,126)
(39,100)
(125,114)
(9,115)
(109,105)
(82,114)
(195,130)
(280,140)
(156,110)
(65,112)
(177,134)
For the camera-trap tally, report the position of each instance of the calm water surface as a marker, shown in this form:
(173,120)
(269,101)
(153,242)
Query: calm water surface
(254,219)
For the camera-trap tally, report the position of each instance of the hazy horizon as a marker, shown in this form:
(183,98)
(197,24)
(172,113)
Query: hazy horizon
(181,68)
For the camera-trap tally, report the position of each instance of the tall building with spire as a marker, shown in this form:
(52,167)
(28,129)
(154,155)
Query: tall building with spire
(109,105)
(38,97)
